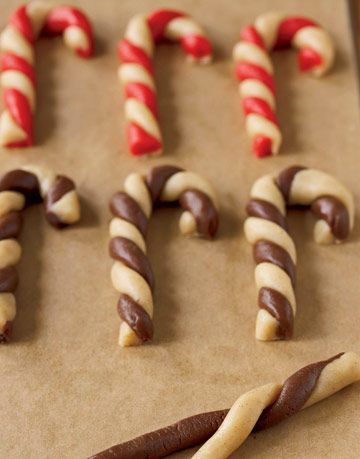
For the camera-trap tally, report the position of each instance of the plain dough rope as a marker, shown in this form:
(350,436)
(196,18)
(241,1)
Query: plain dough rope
(273,248)
(18,189)
(256,410)
(136,71)
(131,272)
(17,61)
(255,71)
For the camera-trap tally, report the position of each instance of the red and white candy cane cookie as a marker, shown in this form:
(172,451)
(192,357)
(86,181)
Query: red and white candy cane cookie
(254,70)
(20,188)
(18,79)
(136,71)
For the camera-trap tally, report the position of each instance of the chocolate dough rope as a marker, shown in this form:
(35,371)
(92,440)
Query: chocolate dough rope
(255,71)
(274,250)
(254,411)
(131,273)
(136,71)
(17,42)
(20,188)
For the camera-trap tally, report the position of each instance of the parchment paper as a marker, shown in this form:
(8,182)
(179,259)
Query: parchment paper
(67,389)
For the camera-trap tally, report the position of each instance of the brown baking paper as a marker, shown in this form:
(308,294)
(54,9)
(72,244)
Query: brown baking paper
(67,389)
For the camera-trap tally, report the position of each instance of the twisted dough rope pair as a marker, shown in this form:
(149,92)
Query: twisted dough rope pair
(274,250)
(17,79)
(255,71)
(136,71)
(256,410)
(131,272)
(20,188)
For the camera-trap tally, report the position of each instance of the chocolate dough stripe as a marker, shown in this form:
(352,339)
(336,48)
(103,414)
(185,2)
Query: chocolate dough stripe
(27,183)
(24,182)
(285,179)
(128,252)
(157,177)
(131,210)
(334,213)
(292,396)
(280,308)
(10,225)
(61,186)
(184,434)
(203,209)
(263,209)
(8,279)
(124,206)
(266,251)
(136,317)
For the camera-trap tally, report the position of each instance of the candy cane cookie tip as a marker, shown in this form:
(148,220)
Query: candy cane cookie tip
(131,273)
(136,71)
(223,431)
(274,251)
(20,188)
(255,71)
(18,78)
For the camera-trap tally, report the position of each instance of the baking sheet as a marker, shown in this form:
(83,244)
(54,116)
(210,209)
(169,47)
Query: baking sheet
(68,390)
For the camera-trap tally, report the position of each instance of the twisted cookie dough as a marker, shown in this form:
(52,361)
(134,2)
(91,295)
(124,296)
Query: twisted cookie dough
(18,80)
(136,71)
(255,71)
(256,410)
(131,273)
(20,188)
(274,250)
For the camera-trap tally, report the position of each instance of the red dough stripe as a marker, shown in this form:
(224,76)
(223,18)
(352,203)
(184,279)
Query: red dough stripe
(251,35)
(308,58)
(9,61)
(143,93)
(65,16)
(245,71)
(259,107)
(288,29)
(129,53)
(141,142)
(19,19)
(158,20)
(196,46)
(19,108)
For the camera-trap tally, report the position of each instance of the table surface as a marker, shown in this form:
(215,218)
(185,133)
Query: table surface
(67,389)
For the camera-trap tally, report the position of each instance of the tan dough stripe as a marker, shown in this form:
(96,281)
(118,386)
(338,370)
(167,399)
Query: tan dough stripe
(274,250)
(131,273)
(18,188)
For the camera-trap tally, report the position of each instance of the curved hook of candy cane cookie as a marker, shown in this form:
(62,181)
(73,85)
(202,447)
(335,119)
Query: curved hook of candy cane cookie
(131,273)
(273,248)
(20,188)
(136,71)
(17,61)
(255,71)
(256,410)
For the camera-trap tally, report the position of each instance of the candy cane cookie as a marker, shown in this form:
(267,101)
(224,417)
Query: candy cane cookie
(256,410)
(18,78)
(20,188)
(136,71)
(131,272)
(273,248)
(255,71)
